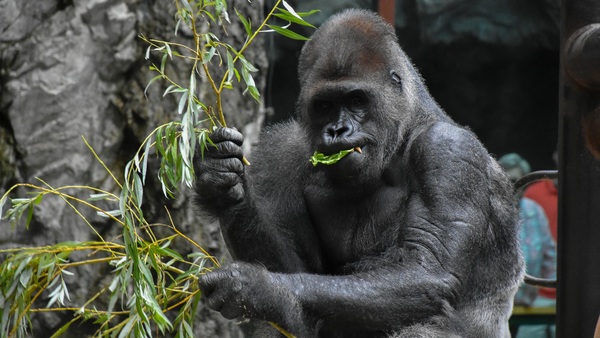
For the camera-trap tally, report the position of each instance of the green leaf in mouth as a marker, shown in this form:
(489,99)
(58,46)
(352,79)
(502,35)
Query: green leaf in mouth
(333,158)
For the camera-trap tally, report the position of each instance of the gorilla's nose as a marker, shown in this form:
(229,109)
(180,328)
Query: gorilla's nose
(338,131)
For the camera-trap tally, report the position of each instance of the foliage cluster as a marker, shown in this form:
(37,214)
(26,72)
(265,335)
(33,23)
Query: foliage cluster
(152,288)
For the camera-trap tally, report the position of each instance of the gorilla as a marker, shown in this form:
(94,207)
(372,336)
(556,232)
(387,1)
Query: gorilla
(414,234)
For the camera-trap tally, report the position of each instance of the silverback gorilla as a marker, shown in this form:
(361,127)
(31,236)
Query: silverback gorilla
(412,235)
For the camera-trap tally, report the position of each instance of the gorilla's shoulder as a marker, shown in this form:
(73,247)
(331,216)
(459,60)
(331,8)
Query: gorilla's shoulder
(449,134)
(447,142)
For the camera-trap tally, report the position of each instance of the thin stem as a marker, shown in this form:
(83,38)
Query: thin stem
(247,44)
(101,162)
(213,259)
(58,193)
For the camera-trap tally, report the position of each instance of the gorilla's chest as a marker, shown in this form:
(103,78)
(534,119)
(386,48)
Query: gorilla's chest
(353,228)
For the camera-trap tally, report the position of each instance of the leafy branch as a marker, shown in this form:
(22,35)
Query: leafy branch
(152,287)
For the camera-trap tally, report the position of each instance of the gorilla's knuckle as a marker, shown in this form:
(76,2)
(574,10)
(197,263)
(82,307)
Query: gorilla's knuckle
(227,134)
(233,165)
(236,193)
(228,148)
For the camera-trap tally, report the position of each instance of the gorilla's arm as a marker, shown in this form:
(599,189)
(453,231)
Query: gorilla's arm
(245,199)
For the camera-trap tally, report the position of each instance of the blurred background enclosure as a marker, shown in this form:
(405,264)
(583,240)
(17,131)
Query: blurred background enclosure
(73,68)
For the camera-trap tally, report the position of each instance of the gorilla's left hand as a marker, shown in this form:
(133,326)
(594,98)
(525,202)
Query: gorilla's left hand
(231,290)
(243,290)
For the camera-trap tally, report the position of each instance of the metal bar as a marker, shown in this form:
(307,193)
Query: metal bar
(578,295)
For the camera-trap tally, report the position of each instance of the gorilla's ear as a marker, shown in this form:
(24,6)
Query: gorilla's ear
(395,77)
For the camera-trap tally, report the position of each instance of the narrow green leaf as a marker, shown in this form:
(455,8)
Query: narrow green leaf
(309,13)
(246,64)
(192,88)
(288,33)
(320,158)
(210,54)
(25,277)
(132,319)
(150,82)
(291,10)
(169,50)
(159,141)
(237,75)
(147,57)
(136,160)
(124,196)
(145,160)
(187,6)
(169,89)
(188,329)
(138,188)
(62,330)
(251,86)
(168,253)
(107,214)
(230,67)
(2,202)
(246,23)
(99,197)
(45,262)
(182,102)
(210,16)
(163,63)
(29,215)
(127,173)
(287,16)
(146,273)
(177,26)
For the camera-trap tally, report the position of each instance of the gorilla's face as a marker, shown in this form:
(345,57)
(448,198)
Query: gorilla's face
(351,98)
(341,116)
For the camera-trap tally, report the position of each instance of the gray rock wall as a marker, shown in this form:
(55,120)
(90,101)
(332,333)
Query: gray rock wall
(76,68)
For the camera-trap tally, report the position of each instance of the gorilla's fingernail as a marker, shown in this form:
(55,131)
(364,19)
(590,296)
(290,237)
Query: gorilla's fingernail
(357,149)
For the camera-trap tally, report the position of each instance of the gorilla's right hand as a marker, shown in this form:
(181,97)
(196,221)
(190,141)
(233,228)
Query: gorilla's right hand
(220,171)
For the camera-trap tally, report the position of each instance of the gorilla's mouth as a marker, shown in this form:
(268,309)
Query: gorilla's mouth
(333,158)
(333,151)
(334,148)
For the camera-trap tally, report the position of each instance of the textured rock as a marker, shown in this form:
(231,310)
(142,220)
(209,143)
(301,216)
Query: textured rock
(76,68)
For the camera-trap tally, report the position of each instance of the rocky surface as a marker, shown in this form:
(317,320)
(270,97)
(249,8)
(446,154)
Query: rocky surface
(73,69)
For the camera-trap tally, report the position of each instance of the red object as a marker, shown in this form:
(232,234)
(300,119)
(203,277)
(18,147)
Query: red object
(546,195)
(387,10)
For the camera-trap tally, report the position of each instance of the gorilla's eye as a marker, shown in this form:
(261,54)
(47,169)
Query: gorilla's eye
(357,99)
(323,105)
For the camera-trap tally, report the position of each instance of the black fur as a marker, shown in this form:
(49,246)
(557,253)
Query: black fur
(414,237)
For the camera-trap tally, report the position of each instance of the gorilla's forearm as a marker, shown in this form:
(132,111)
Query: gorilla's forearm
(381,299)
(255,238)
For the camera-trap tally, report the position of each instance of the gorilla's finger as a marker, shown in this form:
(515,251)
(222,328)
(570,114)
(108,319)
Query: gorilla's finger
(236,193)
(207,284)
(227,134)
(222,165)
(218,181)
(231,165)
(224,149)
